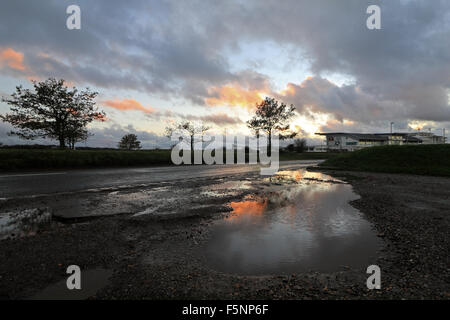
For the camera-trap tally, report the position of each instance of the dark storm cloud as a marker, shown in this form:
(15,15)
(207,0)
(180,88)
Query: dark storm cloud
(119,45)
(177,49)
(319,95)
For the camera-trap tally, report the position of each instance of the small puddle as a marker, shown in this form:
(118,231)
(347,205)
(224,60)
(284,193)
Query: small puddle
(91,282)
(299,225)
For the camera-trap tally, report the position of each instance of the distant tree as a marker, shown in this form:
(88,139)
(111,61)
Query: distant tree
(290,147)
(271,117)
(129,142)
(52,111)
(300,145)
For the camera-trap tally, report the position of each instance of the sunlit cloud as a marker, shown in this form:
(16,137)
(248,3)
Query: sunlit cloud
(308,125)
(12,58)
(419,125)
(290,89)
(234,95)
(127,105)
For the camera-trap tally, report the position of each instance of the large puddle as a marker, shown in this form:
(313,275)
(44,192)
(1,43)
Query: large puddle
(304,222)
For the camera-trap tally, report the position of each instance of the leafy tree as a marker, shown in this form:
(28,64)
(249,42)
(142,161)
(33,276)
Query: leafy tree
(129,142)
(255,125)
(290,147)
(271,117)
(52,111)
(75,134)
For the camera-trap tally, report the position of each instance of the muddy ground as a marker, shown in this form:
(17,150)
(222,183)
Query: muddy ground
(147,239)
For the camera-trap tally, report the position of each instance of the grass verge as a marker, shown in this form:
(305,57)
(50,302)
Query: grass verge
(413,159)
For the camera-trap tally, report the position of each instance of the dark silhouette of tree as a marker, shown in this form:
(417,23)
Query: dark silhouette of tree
(300,145)
(290,147)
(271,117)
(52,111)
(129,142)
(76,133)
(255,125)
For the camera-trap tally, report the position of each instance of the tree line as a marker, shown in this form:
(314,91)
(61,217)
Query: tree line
(52,110)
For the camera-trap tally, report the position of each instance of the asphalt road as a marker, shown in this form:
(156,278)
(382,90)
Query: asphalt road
(29,184)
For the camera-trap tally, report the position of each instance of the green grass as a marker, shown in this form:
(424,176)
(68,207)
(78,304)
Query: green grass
(413,159)
(20,159)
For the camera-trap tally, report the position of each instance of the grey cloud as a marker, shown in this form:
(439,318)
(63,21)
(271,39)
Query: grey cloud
(219,119)
(177,49)
(350,102)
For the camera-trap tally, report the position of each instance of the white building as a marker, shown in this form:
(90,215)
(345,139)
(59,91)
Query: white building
(342,141)
(428,137)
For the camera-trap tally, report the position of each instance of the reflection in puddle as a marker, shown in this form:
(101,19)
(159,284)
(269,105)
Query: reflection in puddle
(301,226)
(23,223)
(91,282)
(247,208)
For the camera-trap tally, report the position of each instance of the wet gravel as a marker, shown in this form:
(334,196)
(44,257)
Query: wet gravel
(155,257)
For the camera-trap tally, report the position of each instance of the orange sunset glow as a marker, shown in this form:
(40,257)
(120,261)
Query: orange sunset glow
(12,58)
(128,104)
(247,208)
(234,96)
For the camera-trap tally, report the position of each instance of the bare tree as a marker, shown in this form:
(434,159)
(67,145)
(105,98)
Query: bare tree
(52,111)
(193,129)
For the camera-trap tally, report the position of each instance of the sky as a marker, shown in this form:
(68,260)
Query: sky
(158,62)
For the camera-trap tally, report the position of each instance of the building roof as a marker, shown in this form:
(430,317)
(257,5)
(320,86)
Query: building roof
(393,134)
(357,136)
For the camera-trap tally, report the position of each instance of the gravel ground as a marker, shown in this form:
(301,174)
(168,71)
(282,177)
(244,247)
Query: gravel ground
(156,256)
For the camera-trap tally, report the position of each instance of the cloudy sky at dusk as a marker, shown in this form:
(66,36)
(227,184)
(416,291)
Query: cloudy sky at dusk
(154,62)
